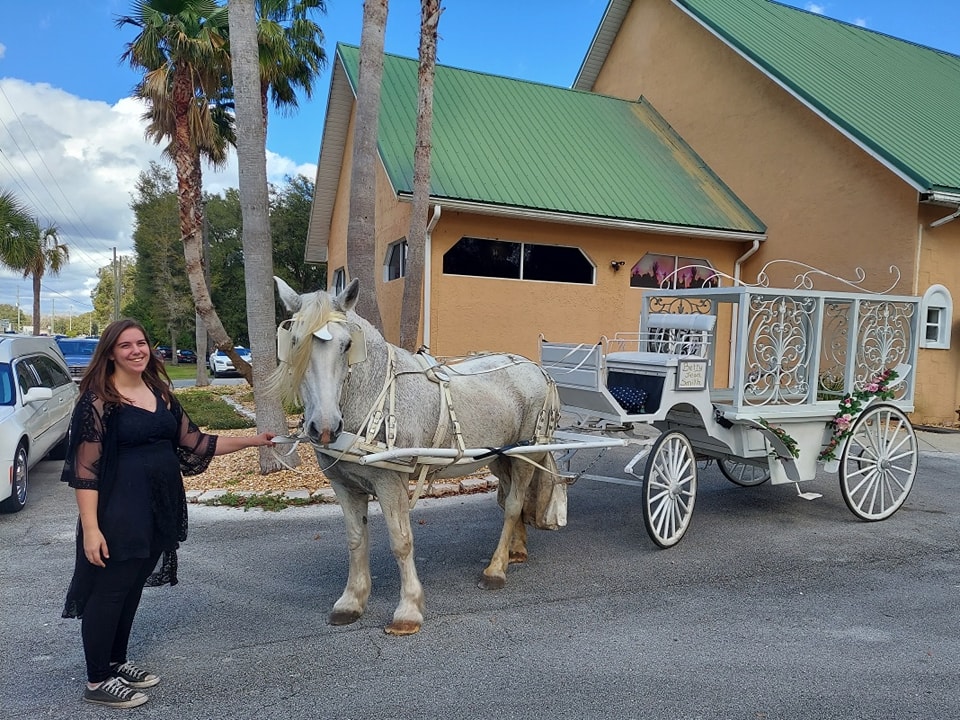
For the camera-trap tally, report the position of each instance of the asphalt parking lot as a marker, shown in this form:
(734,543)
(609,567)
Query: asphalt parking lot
(771,607)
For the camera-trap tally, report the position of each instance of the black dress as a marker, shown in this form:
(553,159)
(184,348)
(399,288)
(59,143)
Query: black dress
(135,459)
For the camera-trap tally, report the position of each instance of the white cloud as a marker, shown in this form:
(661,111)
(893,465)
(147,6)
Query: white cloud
(862,22)
(3,50)
(75,163)
(816,8)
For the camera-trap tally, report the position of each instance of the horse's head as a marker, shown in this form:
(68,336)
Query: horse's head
(316,348)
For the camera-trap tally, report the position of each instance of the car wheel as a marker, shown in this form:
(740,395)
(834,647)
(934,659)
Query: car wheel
(18,494)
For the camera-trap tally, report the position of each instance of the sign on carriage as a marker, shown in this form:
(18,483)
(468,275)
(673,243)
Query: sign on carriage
(691,375)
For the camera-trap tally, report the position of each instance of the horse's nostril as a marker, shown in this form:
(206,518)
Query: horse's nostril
(312,430)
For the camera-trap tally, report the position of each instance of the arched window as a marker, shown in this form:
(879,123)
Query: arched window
(339,281)
(395,266)
(936,318)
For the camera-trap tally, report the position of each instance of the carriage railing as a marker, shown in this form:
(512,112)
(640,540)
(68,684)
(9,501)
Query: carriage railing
(799,347)
(667,334)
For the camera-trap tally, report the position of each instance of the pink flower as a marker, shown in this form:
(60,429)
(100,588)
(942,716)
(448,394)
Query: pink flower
(873,387)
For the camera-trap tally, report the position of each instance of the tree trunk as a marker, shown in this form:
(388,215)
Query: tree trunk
(362,227)
(186,159)
(417,237)
(255,212)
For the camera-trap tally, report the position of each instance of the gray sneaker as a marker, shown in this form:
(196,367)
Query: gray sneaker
(114,693)
(134,676)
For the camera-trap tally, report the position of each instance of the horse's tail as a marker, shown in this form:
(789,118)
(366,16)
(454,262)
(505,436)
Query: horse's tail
(545,505)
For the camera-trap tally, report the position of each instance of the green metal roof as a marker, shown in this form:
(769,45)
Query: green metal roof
(515,144)
(899,100)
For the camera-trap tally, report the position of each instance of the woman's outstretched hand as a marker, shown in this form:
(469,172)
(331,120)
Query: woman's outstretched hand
(263,439)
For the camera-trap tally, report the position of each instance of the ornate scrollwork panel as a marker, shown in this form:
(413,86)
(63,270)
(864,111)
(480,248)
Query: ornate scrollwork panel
(778,363)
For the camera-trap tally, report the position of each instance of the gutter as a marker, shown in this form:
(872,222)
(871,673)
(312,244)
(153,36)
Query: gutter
(427,264)
(592,221)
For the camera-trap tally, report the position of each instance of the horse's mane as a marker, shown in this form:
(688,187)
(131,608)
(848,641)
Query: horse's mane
(316,311)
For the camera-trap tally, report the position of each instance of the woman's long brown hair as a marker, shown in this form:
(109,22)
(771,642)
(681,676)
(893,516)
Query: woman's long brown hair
(99,375)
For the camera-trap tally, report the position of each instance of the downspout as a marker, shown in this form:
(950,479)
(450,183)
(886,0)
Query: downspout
(733,320)
(945,220)
(427,285)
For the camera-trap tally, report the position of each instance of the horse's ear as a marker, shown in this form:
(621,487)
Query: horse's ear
(288,296)
(348,298)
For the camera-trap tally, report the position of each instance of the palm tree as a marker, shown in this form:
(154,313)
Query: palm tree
(48,254)
(16,227)
(255,208)
(417,237)
(291,51)
(182,47)
(362,226)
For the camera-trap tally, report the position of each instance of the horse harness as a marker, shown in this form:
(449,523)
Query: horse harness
(382,415)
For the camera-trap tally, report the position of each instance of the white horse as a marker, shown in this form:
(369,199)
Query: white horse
(358,389)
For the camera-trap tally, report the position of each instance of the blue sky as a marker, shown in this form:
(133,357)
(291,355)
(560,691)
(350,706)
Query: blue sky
(62,86)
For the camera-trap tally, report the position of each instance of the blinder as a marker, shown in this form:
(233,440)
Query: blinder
(286,341)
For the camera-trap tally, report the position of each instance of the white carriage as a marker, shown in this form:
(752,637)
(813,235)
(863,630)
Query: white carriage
(765,404)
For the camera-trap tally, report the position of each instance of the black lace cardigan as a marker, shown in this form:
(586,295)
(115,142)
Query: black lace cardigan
(91,464)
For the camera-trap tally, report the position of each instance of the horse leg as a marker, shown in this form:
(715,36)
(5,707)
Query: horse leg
(395,503)
(516,475)
(353,601)
(518,543)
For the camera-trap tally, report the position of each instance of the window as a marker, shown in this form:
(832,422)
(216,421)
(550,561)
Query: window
(339,281)
(672,271)
(51,374)
(936,318)
(396,265)
(479,257)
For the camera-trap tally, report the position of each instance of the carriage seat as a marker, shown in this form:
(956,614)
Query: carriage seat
(666,338)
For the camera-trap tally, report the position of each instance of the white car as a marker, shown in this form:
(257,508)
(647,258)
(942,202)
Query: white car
(37,397)
(221,364)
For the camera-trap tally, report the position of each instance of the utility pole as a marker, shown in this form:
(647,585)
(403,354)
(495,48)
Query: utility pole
(116,286)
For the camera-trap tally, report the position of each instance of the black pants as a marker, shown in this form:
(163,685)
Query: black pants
(108,615)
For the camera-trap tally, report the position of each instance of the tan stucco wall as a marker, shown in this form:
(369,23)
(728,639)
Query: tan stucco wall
(393,221)
(825,202)
(938,371)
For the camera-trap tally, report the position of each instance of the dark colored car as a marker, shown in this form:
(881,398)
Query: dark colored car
(164,352)
(78,352)
(186,356)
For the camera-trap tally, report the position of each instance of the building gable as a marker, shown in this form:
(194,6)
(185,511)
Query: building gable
(897,100)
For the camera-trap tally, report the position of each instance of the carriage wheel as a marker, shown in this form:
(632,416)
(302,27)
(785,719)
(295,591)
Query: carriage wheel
(879,463)
(743,474)
(669,488)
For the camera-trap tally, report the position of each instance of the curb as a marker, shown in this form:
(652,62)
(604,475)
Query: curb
(467,486)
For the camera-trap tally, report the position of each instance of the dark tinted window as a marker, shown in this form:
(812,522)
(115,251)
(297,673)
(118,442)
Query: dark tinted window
(51,374)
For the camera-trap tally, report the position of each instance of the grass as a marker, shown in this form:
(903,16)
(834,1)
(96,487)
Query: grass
(266,501)
(182,372)
(209,410)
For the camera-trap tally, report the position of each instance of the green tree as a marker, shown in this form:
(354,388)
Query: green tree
(289,220)
(182,48)
(290,49)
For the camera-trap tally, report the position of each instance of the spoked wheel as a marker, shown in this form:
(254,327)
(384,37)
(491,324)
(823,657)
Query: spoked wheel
(669,488)
(743,474)
(879,463)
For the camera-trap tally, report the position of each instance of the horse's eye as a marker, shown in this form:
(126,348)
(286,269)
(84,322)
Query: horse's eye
(346,348)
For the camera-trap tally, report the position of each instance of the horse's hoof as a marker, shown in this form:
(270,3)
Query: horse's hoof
(492,582)
(344,617)
(518,557)
(401,628)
